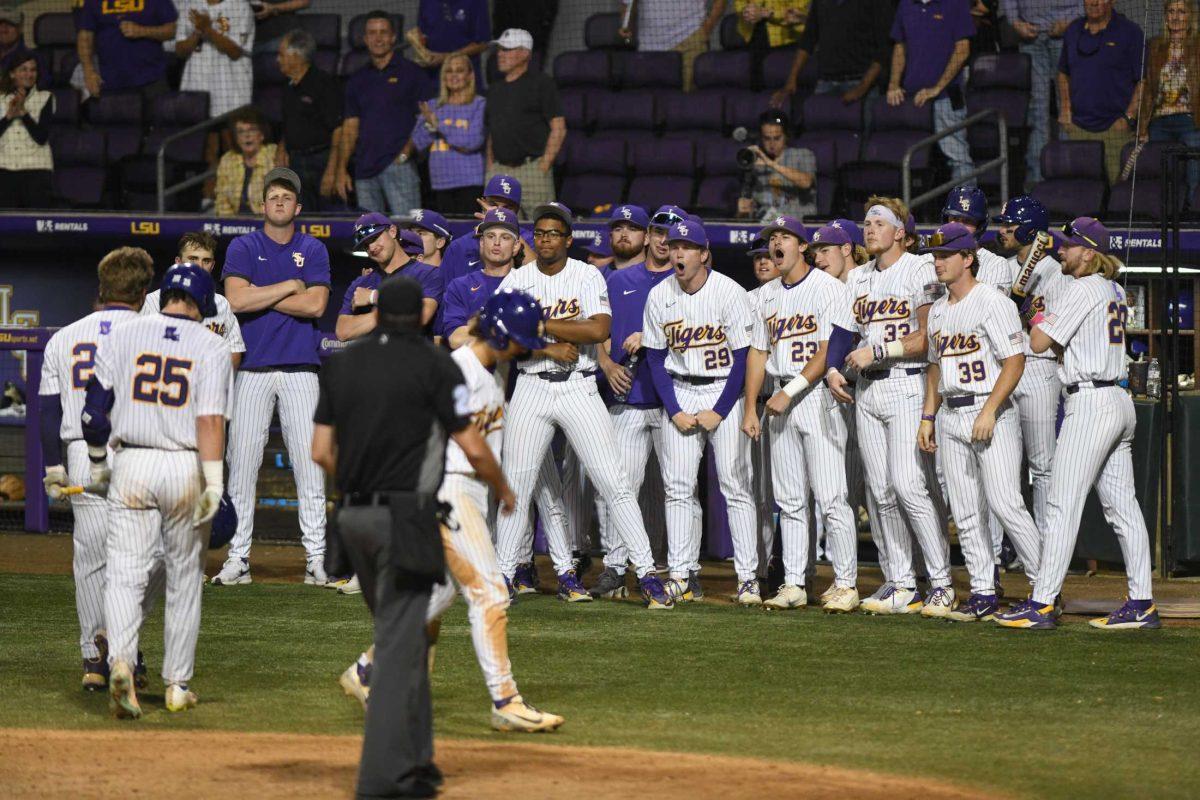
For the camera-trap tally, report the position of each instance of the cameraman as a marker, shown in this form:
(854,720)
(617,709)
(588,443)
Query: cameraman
(781,180)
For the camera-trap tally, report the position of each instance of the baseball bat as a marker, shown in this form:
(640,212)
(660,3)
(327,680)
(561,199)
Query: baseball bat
(1131,161)
(1040,244)
(67,491)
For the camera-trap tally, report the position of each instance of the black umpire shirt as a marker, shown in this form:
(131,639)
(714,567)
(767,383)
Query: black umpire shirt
(312,110)
(393,399)
(847,36)
(518,116)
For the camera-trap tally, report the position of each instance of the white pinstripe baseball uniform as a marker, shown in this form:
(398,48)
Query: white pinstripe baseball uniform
(995,270)
(165,372)
(700,332)
(224,324)
(808,450)
(470,556)
(1096,440)
(760,459)
(550,395)
(968,340)
(889,400)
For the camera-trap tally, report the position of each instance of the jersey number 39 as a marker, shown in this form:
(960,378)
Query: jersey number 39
(161,380)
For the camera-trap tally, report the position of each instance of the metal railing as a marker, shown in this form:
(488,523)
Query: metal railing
(938,191)
(165,191)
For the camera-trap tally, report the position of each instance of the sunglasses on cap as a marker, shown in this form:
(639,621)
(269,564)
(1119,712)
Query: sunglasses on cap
(666,219)
(1070,231)
(364,232)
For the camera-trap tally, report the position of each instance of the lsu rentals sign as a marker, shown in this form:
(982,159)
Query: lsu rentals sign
(145,228)
(316,231)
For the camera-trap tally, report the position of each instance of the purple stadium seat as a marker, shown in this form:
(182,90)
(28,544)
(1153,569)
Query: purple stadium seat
(115,108)
(358,25)
(54,30)
(269,100)
(66,107)
(76,148)
(1074,180)
(1151,185)
(649,70)
(983,137)
(62,64)
(698,114)
(904,117)
(728,34)
(825,153)
(1000,71)
(827,118)
(717,197)
(594,173)
(326,29)
(658,190)
(719,158)
(79,187)
(603,157)
(266,70)
(778,65)
(574,109)
(353,61)
(600,32)
(629,113)
(582,68)
(179,109)
(663,158)
(742,109)
(878,169)
(722,70)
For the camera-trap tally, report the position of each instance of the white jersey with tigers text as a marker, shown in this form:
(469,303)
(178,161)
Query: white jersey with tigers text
(885,302)
(792,321)
(699,331)
(485,406)
(1088,320)
(577,292)
(70,359)
(969,338)
(1046,284)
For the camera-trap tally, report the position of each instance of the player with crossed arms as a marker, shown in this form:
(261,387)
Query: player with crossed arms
(557,388)
(975,362)
(696,333)
(159,395)
(892,295)
(796,315)
(1087,327)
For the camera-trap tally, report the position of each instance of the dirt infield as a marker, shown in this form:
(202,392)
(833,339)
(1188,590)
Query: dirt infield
(42,763)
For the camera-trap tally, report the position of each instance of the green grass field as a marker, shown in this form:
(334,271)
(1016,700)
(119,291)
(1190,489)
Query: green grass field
(1070,713)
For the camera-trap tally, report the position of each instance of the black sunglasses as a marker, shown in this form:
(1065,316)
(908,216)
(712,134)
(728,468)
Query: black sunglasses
(666,218)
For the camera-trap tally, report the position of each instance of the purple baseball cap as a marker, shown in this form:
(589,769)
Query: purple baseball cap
(411,243)
(634,215)
(430,221)
(786,224)
(830,235)
(370,225)
(951,236)
(688,231)
(851,228)
(666,216)
(910,225)
(603,249)
(1086,232)
(499,218)
(758,248)
(504,186)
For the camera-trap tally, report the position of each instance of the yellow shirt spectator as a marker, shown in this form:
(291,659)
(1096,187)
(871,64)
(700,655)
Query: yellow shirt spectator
(784,19)
(242,170)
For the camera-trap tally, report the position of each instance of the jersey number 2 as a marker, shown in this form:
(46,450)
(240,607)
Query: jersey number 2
(1116,322)
(161,380)
(82,364)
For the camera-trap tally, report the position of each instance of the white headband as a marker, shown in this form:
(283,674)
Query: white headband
(886,213)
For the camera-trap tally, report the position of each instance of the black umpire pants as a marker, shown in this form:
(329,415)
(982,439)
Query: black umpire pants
(397,755)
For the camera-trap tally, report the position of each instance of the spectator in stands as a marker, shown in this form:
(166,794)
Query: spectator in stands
(275,19)
(451,129)
(25,158)
(312,119)
(12,43)
(450,27)
(852,42)
(681,25)
(125,41)
(381,107)
(241,172)
(524,120)
(932,42)
(1171,100)
(783,179)
(771,23)
(1040,24)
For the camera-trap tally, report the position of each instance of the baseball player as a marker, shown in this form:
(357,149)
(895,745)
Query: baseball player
(795,317)
(891,296)
(765,271)
(556,390)
(975,361)
(70,360)
(199,248)
(462,255)
(277,281)
(380,238)
(159,397)
(435,235)
(506,328)
(967,205)
(1086,324)
(696,333)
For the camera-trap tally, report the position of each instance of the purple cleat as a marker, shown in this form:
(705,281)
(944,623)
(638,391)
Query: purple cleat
(571,589)
(976,608)
(654,594)
(1134,615)
(1027,614)
(524,580)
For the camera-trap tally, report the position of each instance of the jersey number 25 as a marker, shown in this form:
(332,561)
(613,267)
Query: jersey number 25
(161,380)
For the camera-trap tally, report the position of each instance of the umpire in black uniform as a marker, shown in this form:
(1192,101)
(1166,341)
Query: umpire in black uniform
(387,406)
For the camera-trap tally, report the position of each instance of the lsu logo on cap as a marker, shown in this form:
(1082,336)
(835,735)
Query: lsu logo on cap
(626,213)
(500,215)
(683,231)
(817,237)
(779,221)
(836,224)
(299,259)
(506,187)
(418,215)
(964,202)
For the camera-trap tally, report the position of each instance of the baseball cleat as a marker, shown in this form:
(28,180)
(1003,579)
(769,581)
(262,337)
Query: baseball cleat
(694,585)
(1058,606)
(842,600)
(939,603)
(996,583)
(678,589)
(314,573)
(571,589)
(873,602)
(894,600)
(828,593)
(95,674)
(180,697)
(122,698)
(1133,615)
(654,594)
(351,586)
(610,584)
(512,590)
(337,583)
(355,682)
(1028,615)
(515,714)
(748,594)
(524,579)
(235,572)
(976,608)
(789,596)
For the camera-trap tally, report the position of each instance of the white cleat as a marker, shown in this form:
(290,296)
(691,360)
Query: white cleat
(893,599)
(517,715)
(352,683)
(939,604)
(748,594)
(351,586)
(235,572)
(314,573)
(122,697)
(828,593)
(842,600)
(180,697)
(789,596)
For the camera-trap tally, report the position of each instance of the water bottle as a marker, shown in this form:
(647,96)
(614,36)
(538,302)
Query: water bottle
(1153,379)
(630,367)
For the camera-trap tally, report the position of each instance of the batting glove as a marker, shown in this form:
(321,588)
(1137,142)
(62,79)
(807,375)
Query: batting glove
(214,487)
(55,481)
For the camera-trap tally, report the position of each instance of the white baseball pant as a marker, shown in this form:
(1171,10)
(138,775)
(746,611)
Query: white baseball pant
(151,499)
(681,462)
(764,492)
(471,563)
(258,393)
(1095,448)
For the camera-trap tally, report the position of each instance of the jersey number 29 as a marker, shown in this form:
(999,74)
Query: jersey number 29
(161,380)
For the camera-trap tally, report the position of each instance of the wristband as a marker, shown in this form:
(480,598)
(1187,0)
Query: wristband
(795,386)
(1037,319)
(877,353)
(894,349)
(214,474)
(374,297)
(928,418)
(97,455)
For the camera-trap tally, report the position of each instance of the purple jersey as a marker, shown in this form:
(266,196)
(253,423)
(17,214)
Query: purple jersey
(419,271)
(464,296)
(628,289)
(275,339)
